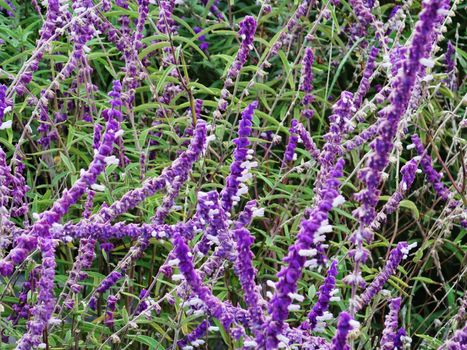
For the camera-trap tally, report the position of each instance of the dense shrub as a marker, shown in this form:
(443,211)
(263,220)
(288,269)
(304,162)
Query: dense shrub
(232,175)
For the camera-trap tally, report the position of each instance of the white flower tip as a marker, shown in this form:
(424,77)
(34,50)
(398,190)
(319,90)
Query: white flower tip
(282,338)
(210,138)
(259,212)
(271,284)
(307,252)
(250,343)
(427,62)
(98,187)
(354,324)
(111,160)
(177,277)
(338,201)
(293,307)
(6,125)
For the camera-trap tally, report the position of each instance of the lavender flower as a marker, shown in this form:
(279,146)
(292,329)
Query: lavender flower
(247,33)
(194,337)
(240,167)
(308,142)
(5,104)
(364,17)
(56,16)
(292,144)
(216,307)
(449,57)
(308,244)
(408,172)
(399,100)
(395,257)
(247,273)
(432,175)
(214,9)
(42,229)
(390,325)
(458,340)
(324,298)
(398,343)
(364,85)
(109,312)
(344,326)
(306,82)
(202,40)
(363,137)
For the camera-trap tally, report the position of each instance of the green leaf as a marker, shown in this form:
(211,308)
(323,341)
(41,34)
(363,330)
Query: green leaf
(144,339)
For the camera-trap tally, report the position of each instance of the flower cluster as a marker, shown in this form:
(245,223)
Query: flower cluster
(159,227)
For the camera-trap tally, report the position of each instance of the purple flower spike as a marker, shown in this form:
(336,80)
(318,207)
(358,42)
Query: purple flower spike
(247,274)
(344,326)
(306,82)
(5,105)
(458,340)
(202,40)
(450,54)
(214,9)
(365,82)
(432,175)
(308,245)
(109,312)
(324,298)
(247,33)
(240,167)
(398,339)
(195,336)
(395,257)
(308,142)
(214,305)
(390,325)
(290,154)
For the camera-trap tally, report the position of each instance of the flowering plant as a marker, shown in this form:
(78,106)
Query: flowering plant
(253,176)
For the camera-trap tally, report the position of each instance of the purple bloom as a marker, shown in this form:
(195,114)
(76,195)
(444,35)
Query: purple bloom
(364,85)
(360,139)
(6,268)
(371,175)
(213,304)
(202,40)
(5,104)
(408,171)
(398,343)
(308,244)
(308,141)
(390,325)
(240,167)
(306,82)
(109,312)
(324,298)
(344,326)
(247,273)
(395,258)
(450,57)
(247,33)
(199,332)
(458,340)
(214,9)
(292,144)
(432,175)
